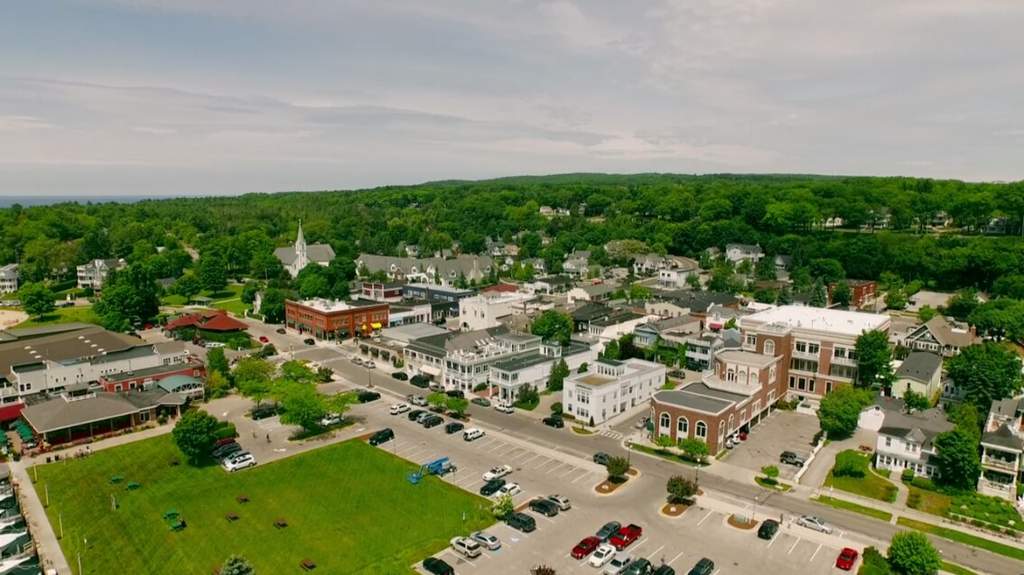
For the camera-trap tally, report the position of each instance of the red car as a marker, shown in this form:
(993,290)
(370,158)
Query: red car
(264,339)
(847,558)
(626,536)
(585,547)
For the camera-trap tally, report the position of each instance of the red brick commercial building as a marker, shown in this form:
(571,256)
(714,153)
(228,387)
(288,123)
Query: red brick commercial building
(145,378)
(861,292)
(335,319)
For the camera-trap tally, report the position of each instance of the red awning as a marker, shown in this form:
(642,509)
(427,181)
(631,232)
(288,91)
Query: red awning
(11,411)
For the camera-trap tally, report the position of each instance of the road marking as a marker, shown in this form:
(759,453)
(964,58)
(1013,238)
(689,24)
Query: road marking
(655,552)
(676,558)
(639,543)
(815,553)
(535,456)
(795,543)
(497,447)
(705,518)
(772,542)
(570,472)
(587,474)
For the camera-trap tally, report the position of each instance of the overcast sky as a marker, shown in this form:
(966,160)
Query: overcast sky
(230,96)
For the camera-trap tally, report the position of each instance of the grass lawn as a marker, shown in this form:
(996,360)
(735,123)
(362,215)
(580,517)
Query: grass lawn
(82,314)
(856,508)
(233,305)
(664,454)
(965,538)
(956,569)
(174,300)
(348,506)
(928,501)
(870,485)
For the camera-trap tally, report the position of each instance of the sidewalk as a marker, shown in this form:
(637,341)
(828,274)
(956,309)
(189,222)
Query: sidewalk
(50,554)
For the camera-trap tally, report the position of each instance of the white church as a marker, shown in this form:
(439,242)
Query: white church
(300,255)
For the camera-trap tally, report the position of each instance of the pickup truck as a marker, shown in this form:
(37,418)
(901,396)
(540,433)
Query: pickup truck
(626,536)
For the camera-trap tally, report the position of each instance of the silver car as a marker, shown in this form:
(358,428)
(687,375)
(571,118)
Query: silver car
(618,564)
(815,523)
(488,541)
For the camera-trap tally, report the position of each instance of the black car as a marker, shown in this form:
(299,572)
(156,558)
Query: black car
(226,450)
(432,421)
(455,393)
(419,381)
(281,330)
(664,570)
(521,522)
(368,396)
(400,375)
(554,421)
(601,458)
(639,566)
(768,529)
(453,427)
(436,566)
(414,414)
(492,487)
(309,341)
(263,411)
(544,507)
(792,459)
(382,436)
(703,567)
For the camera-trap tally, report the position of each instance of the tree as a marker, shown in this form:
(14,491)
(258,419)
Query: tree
(926,313)
(217,385)
(272,306)
(957,459)
(252,376)
(638,292)
(910,553)
(665,441)
(237,565)
(187,286)
(770,471)
(695,448)
(553,325)
(195,434)
(611,350)
(680,489)
(819,297)
(559,372)
(503,507)
(212,273)
(985,373)
(249,291)
(303,406)
(438,400)
(583,368)
(217,362)
(874,360)
(915,401)
(962,304)
(130,298)
(36,299)
(840,410)
(458,405)
(785,296)
(896,297)
(842,294)
(297,370)
(617,467)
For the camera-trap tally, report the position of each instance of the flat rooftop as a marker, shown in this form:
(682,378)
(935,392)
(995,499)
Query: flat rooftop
(745,357)
(819,319)
(335,305)
(595,379)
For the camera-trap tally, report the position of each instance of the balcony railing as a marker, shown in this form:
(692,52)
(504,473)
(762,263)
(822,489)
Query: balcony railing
(985,484)
(844,361)
(806,355)
(1009,465)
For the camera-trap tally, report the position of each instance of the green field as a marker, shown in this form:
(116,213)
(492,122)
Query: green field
(348,507)
(83,314)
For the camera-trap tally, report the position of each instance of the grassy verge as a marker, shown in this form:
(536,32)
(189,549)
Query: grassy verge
(855,507)
(928,501)
(83,314)
(582,430)
(777,486)
(664,455)
(956,569)
(965,538)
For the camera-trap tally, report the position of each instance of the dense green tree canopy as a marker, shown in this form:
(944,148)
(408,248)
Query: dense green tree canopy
(985,373)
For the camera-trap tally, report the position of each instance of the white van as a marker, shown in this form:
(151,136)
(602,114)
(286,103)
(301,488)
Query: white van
(472,433)
(466,547)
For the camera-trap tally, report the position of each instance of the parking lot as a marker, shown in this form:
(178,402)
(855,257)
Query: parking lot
(782,431)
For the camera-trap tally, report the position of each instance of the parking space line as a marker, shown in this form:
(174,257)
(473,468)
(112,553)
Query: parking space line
(654,553)
(571,471)
(815,553)
(535,456)
(705,518)
(556,465)
(640,543)
(587,474)
(676,558)
(497,447)
(795,543)
(772,542)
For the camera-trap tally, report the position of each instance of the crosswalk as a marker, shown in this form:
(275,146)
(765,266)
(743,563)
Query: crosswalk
(610,433)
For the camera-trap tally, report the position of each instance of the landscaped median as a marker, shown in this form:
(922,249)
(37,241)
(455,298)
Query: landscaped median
(965,538)
(855,507)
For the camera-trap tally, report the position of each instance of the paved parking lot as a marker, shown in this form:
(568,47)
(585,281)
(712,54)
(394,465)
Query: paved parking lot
(782,431)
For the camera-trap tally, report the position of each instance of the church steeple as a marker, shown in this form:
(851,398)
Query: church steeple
(300,242)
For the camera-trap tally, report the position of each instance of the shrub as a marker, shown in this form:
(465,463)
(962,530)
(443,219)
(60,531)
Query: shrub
(556,408)
(769,481)
(478,387)
(849,463)
(874,563)
(907,476)
(770,471)
(161,419)
(680,489)
(617,467)
(923,483)
(226,430)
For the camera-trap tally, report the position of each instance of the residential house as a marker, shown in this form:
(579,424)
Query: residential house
(586,313)
(610,388)
(698,302)
(920,372)
(92,275)
(702,346)
(940,335)
(616,325)
(671,332)
(540,267)
(783,263)
(487,309)
(299,255)
(595,292)
(436,270)
(549,285)
(577,264)
(9,278)
(738,253)
(1002,449)
(905,441)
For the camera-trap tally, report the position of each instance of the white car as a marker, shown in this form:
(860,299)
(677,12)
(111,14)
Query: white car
(239,462)
(618,564)
(504,408)
(466,547)
(561,501)
(399,408)
(601,555)
(490,542)
(509,489)
(815,523)
(357,360)
(369,364)
(331,419)
(419,400)
(471,434)
(496,472)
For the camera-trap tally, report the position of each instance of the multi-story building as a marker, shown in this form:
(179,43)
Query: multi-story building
(436,270)
(381,291)
(335,319)
(486,310)
(815,346)
(1002,449)
(905,441)
(462,360)
(920,372)
(610,388)
(862,292)
(93,274)
(701,347)
(508,376)
(737,253)
(9,278)
(410,311)
(616,325)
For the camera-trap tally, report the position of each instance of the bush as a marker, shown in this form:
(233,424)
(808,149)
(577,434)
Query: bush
(226,430)
(480,387)
(907,476)
(556,408)
(770,471)
(923,483)
(849,463)
(874,563)
(161,419)
(617,467)
(769,480)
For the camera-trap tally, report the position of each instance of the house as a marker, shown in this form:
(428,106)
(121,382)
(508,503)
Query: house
(701,347)
(616,325)
(540,267)
(215,320)
(330,320)
(905,441)
(649,264)
(1002,449)
(508,376)
(595,292)
(300,255)
(738,253)
(9,278)
(486,310)
(577,264)
(435,270)
(671,332)
(920,372)
(940,335)
(872,417)
(549,284)
(698,302)
(783,263)
(610,388)
(586,313)
(92,275)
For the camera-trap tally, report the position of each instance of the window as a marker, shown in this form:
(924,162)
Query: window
(888,442)
(721,430)
(665,421)
(752,340)
(769,347)
(732,423)
(701,432)
(730,375)
(682,428)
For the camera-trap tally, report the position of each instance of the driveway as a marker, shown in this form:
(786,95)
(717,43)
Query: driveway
(782,431)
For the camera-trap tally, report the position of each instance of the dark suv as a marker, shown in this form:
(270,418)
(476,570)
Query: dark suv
(792,459)
(382,436)
(601,458)
(433,421)
(521,522)
(768,529)
(544,507)
(436,566)
(264,411)
(453,427)
(554,421)
(703,567)
(368,396)
(492,487)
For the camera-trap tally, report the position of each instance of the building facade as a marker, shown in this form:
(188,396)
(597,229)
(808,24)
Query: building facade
(485,310)
(93,274)
(920,372)
(507,377)
(335,319)
(1002,449)
(381,291)
(905,441)
(9,278)
(610,388)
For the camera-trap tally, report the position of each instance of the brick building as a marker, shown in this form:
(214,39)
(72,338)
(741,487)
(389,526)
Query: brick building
(335,319)
(861,292)
(147,378)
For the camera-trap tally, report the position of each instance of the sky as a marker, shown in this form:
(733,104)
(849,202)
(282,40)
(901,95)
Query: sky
(146,97)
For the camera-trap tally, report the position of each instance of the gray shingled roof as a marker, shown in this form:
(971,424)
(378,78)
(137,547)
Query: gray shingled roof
(318,253)
(922,426)
(919,366)
(1003,437)
(60,413)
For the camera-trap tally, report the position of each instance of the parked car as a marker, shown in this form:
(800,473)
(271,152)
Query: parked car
(544,507)
(423,416)
(264,339)
(640,423)
(482,402)
(554,421)
(815,523)
(281,330)
(331,419)
(703,567)
(472,434)
(226,450)
(497,471)
(466,547)
(400,375)
(367,396)
(398,408)
(626,536)
(601,458)
(455,393)
(486,540)
(356,360)
(504,408)
(791,458)
(453,427)
(263,411)
(638,566)
(601,555)
(521,522)
(664,570)
(419,381)
(768,529)
(436,566)
(617,564)
(309,341)
(492,487)
(561,501)
(585,547)
(415,414)
(382,436)
(607,530)
(241,461)
(510,489)
(368,364)
(847,559)
(433,421)
(418,400)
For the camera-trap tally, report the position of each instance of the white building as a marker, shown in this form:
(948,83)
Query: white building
(1002,449)
(905,441)
(610,388)
(597,292)
(485,310)
(737,253)
(920,372)
(533,369)
(616,325)
(462,360)
(93,274)
(9,278)
(300,255)
(409,312)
